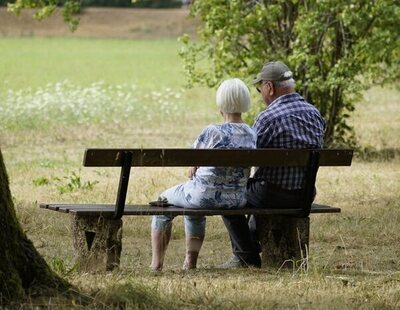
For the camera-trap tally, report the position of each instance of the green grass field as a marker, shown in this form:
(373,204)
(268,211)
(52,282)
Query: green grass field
(33,62)
(60,96)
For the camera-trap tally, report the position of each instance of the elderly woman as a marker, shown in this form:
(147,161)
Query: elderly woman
(209,187)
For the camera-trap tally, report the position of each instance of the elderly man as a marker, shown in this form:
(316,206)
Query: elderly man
(288,121)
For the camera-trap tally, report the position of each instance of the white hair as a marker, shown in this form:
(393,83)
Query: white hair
(233,96)
(283,84)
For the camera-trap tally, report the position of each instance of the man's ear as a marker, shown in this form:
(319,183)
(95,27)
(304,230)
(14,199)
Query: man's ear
(271,89)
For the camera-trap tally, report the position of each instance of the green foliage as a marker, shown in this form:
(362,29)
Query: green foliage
(45,8)
(66,184)
(59,266)
(74,183)
(41,181)
(335,48)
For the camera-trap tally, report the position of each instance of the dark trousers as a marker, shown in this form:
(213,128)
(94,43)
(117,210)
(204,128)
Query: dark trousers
(242,230)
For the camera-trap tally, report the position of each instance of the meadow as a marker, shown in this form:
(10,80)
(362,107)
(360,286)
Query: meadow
(60,96)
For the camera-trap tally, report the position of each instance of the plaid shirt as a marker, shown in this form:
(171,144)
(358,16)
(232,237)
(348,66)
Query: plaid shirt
(288,122)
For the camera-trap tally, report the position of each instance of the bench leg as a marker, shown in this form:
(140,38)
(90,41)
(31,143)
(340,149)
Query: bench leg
(97,243)
(284,240)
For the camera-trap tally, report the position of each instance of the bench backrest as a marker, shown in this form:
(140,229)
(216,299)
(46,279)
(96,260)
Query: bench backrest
(127,158)
(215,157)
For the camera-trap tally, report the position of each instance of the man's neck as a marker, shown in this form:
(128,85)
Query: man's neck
(282,92)
(233,118)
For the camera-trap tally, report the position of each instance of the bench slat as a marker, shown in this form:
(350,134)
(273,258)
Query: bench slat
(215,157)
(107,210)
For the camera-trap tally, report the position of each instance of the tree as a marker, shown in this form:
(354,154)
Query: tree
(335,48)
(22,269)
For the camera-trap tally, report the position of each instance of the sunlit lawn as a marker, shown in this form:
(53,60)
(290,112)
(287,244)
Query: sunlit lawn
(60,96)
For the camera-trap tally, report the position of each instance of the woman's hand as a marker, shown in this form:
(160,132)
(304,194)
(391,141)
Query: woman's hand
(192,172)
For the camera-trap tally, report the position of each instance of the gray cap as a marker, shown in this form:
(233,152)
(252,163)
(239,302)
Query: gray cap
(273,71)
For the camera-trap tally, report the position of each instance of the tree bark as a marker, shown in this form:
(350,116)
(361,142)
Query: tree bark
(22,270)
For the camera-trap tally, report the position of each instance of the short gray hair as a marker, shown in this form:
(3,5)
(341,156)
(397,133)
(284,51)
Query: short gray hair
(233,96)
(283,84)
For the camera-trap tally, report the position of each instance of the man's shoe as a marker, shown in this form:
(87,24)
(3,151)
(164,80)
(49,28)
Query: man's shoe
(233,262)
(236,262)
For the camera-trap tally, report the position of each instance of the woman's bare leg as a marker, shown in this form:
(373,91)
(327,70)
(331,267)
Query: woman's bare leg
(193,246)
(159,244)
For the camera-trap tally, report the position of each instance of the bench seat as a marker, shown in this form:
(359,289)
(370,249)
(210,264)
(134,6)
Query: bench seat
(107,210)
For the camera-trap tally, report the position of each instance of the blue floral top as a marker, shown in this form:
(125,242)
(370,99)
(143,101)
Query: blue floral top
(221,187)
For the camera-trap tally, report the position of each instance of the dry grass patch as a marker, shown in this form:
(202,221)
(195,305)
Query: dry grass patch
(102,23)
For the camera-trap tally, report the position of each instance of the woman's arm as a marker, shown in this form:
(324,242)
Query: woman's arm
(192,172)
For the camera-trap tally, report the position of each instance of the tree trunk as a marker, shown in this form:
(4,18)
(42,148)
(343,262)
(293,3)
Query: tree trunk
(22,269)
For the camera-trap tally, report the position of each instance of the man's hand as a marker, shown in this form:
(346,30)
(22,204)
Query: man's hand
(192,172)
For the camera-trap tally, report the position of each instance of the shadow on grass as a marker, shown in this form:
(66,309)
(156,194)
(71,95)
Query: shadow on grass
(131,296)
(370,154)
(116,296)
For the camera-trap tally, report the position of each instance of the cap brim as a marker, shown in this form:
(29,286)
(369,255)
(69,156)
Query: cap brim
(256,80)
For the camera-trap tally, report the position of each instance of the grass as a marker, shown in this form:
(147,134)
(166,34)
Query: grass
(33,62)
(113,93)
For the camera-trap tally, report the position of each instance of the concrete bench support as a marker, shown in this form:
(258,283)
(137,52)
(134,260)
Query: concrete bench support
(97,242)
(284,240)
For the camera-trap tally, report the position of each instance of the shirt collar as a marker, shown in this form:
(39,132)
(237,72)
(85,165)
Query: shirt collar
(286,98)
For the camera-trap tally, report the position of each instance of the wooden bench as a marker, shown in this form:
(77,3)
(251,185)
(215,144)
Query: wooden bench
(283,233)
